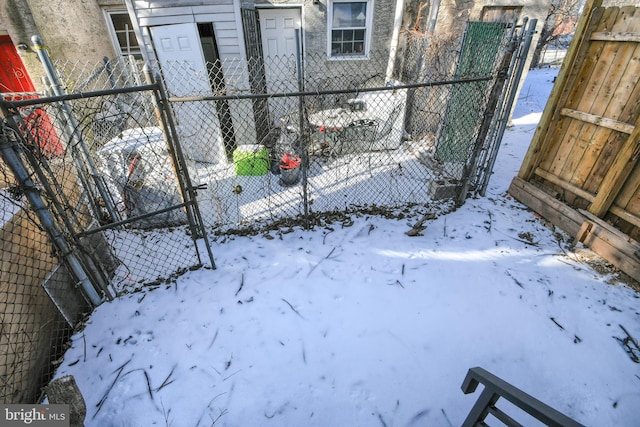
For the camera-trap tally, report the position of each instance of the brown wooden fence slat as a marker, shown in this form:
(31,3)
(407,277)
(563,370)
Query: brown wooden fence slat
(599,96)
(588,168)
(620,36)
(598,120)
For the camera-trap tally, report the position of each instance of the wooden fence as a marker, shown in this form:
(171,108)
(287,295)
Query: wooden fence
(582,171)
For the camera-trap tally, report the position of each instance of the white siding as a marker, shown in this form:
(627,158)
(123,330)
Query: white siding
(224,14)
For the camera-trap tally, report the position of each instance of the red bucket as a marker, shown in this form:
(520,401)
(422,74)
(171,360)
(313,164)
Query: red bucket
(289,169)
(289,161)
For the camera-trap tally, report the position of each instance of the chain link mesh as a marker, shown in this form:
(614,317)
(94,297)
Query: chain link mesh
(367,143)
(32,331)
(258,142)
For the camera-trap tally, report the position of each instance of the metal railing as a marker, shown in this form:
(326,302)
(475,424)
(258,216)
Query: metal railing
(496,388)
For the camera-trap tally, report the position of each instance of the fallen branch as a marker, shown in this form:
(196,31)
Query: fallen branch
(630,344)
(419,226)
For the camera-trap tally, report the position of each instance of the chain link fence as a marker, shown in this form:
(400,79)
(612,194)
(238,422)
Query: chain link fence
(32,331)
(124,177)
(342,139)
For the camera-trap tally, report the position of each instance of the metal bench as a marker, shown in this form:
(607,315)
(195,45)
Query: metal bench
(494,389)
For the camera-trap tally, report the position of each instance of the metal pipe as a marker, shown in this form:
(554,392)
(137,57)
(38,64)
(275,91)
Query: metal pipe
(395,36)
(72,127)
(170,134)
(331,92)
(302,127)
(81,95)
(510,100)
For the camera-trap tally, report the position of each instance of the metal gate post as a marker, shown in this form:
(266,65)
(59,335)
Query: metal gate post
(187,191)
(303,130)
(13,161)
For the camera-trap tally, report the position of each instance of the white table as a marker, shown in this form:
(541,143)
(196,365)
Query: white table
(338,118)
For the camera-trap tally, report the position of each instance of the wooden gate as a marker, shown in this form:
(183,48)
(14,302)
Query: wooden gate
(582,170)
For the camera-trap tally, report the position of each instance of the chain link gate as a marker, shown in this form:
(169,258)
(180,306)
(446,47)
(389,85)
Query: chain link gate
(133,178)
(95,181)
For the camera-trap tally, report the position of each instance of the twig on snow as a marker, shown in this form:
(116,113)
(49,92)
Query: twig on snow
(294,310)
(316,265)
(146,376)
(557,324)
(397,282)
(215,420)
(166,381)
(209,407)
(516,281)
(446,417)
(84,344)
(165,413)
(227,377)
(331,230)
(381,420)
(215,336)
(630,344)
(490,222)
(106,394)
(241,284)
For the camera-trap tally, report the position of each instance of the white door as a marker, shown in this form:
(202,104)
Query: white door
(278,28)
(183,66)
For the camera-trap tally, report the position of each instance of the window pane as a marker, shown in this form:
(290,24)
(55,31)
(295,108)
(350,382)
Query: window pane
(124,33)
(347,42)
(349,15)
(120,21)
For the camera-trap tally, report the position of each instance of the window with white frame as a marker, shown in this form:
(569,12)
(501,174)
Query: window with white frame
(122,32)
(349,25)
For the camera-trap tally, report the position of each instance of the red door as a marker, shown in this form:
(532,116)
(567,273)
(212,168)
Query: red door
(15,79)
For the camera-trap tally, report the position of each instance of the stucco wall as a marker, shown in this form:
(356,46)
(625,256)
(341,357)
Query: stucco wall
(73,31)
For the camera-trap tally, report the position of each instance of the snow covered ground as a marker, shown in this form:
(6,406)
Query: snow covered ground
(358,324)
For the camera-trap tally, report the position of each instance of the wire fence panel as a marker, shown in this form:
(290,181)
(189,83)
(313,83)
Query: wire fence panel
(32,330)
(131,175)
(336,140)
(105,162)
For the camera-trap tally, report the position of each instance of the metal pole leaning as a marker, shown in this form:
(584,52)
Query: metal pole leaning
(71,128)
